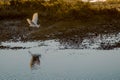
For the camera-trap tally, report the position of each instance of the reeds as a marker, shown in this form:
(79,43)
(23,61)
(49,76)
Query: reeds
(58,9)
(67,19)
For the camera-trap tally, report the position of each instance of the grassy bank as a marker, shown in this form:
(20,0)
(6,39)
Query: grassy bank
(58,9)
(60,19)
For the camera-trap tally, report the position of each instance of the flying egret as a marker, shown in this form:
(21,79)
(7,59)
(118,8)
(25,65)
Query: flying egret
(34,21)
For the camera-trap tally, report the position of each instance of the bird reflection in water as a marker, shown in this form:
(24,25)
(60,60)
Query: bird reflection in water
(35,61)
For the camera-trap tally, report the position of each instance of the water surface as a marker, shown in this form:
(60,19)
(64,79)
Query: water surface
(57,63)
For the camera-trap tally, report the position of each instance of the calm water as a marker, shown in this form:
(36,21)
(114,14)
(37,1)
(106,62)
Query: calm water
(58,64)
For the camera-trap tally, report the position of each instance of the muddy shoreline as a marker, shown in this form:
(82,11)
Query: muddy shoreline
(19,30)
(70,35)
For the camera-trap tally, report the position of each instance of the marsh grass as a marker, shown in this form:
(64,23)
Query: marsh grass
(58,9)
(61,19)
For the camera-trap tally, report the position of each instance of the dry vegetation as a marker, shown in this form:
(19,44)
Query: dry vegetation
(61,19)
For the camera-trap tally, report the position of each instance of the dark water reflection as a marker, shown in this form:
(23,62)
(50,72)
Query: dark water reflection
(35,61)
(106,41)
(92,40)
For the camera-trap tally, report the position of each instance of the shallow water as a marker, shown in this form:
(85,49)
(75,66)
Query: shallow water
(57,63)
(93,41)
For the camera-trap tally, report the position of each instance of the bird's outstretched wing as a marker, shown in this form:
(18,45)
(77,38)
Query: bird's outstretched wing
(29,21)
(35,18)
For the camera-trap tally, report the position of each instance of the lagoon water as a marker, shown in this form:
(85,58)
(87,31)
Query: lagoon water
(57,63)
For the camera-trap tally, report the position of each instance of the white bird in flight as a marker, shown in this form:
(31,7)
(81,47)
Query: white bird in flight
(34,21)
